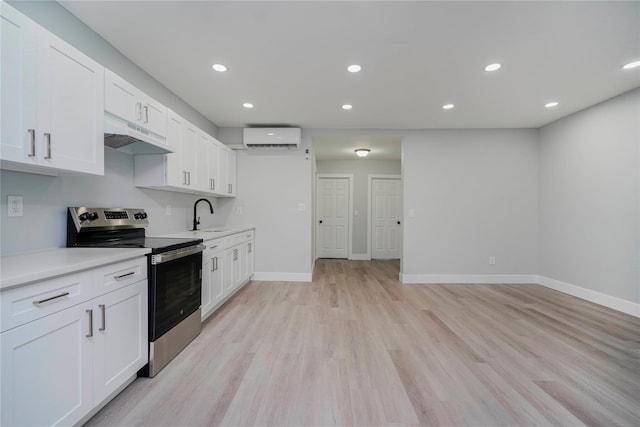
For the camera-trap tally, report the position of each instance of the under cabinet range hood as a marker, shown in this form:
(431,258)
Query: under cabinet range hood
(129,138)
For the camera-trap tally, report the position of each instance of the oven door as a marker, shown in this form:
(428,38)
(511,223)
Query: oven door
(175,287)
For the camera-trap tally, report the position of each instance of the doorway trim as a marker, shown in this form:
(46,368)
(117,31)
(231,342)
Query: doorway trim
(370,179)
(350,212)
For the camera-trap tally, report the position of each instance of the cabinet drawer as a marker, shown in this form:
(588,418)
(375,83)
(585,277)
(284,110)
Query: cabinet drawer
(238,238)
(115,276)
(214,245)
(28,303)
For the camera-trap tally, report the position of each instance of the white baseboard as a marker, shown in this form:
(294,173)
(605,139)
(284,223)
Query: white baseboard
(269,276)
(615,303)
(468,278)
(360,257)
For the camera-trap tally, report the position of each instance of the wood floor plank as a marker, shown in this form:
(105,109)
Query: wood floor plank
(356,348)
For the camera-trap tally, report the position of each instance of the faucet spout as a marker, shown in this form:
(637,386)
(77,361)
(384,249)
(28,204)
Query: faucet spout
(196,220)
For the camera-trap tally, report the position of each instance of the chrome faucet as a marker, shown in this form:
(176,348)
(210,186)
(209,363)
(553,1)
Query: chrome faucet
(196,220)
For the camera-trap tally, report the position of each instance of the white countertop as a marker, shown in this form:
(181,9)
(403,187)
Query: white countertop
(24,269)
(211,233)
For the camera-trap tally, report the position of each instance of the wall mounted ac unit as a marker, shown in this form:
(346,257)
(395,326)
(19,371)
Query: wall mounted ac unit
(271,138)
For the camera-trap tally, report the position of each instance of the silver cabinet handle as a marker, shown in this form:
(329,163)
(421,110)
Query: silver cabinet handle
(32,132)
(216,258)
(48,138)
(139,112)
(184,177)
(90,334)
(213,247)
(235,254)
(229,189)
(42,301)
(146,114)
(102,310)
(213,183)
(249,248)
(188,178)
(213,264)
(122,276)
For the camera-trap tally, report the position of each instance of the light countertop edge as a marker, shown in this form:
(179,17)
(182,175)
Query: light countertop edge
(208,234)
(25,269)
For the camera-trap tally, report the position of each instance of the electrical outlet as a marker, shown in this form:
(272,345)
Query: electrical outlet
(168,210)
(14,206)
(492,260)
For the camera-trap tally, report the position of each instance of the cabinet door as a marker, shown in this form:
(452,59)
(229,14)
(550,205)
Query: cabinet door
(120,337)
(174,173)
(46,370)
(227,271)
(213,167)
(203,141)
(70,107)
(154,116)
(188,150)
(206,297)
(231,173)
(121,98)
(18,87)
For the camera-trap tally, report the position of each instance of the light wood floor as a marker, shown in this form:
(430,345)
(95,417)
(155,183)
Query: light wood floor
(357,348)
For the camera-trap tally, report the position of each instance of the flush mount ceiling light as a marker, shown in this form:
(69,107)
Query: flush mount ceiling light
(347,107)
(362,152)
(219,67)
(447,106)
(551,104)
(354,68)
(247,105)
(493,67)
(631,65)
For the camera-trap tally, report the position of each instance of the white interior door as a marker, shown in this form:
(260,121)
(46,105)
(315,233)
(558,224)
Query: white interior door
(332,234)
(386,216)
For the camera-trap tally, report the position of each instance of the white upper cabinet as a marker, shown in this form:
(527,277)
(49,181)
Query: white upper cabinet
(199,163)
(52,102)
(125,101)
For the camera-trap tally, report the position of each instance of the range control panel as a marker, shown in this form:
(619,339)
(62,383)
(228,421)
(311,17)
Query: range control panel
(108,218)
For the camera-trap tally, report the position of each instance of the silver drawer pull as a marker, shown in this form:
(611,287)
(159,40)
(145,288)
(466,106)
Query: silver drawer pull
(90,334)
(102,309)
(131,273)
(42,301)
(48,138)
(213,247)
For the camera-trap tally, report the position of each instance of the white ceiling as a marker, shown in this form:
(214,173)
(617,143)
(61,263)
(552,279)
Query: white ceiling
(289,58)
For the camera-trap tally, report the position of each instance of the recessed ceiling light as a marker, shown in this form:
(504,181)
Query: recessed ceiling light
(354,68)
(219,67)
(551,104)
(631,65)
(270,133)
(447,106)
(247,105)
(362,152)
(493,67)
(347,107)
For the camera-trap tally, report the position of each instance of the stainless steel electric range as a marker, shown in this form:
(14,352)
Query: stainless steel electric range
(174,274)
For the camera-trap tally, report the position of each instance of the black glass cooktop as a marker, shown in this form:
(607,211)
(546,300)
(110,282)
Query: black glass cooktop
(156,244)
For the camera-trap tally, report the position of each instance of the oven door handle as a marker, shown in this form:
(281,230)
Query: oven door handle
(178,253)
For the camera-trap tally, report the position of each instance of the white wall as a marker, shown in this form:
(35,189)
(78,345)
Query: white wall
(361,169)
(273,187)
(475,195)
(589,199)
(46,199)
(62,23)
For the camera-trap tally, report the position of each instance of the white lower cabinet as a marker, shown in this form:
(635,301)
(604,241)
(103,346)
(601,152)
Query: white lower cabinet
(227,265)
(57,368)
(47,370)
